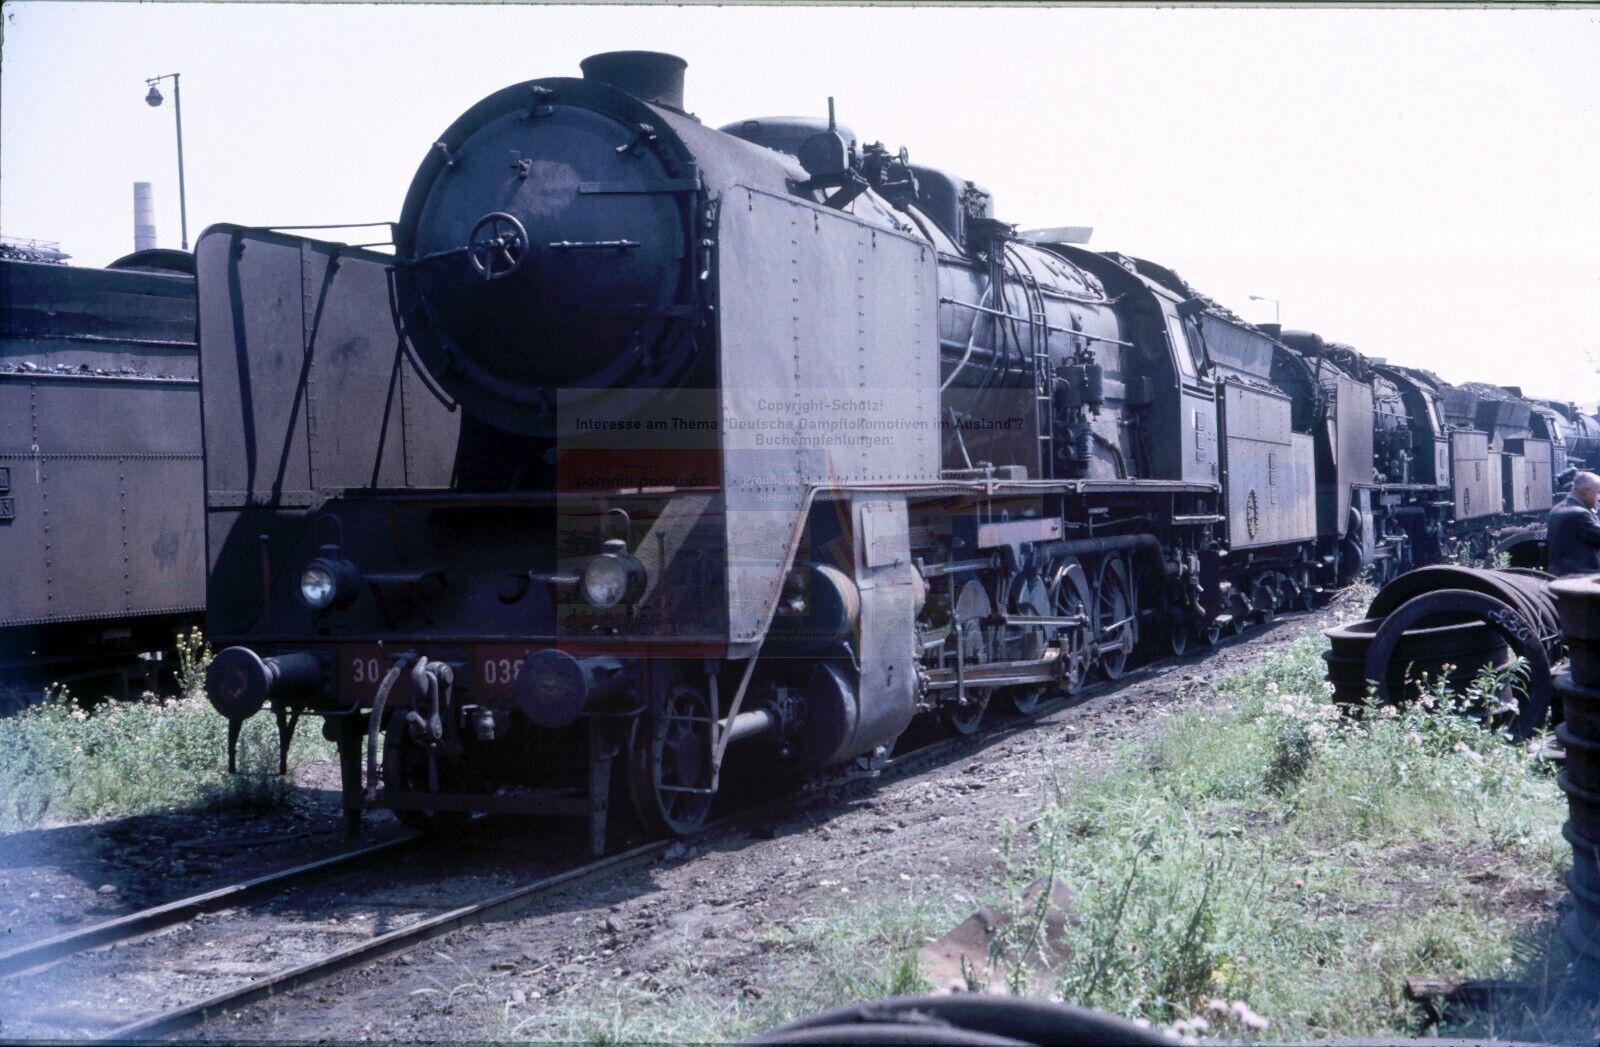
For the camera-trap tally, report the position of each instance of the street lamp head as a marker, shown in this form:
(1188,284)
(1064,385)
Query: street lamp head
(153,99)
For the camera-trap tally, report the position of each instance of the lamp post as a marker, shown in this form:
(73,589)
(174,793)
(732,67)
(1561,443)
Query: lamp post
(153,99)
(1277,318)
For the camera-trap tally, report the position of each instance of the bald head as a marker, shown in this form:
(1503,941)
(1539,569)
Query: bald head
(1586,488)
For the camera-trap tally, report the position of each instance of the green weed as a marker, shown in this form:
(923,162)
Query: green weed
(64,763)
(1272,853)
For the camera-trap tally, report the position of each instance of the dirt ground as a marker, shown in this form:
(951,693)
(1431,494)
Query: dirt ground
(54,880)
(727,892)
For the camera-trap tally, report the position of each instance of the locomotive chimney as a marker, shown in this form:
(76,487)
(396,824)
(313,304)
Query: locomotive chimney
(650,75)
(144,217)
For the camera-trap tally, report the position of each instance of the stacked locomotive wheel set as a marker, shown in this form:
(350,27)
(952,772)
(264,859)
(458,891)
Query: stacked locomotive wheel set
(1578,691)
(1449,624)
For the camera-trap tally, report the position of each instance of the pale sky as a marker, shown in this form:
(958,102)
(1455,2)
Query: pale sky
(1421,184)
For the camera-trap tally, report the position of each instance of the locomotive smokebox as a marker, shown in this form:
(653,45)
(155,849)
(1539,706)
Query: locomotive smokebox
(650,75)
(550,248)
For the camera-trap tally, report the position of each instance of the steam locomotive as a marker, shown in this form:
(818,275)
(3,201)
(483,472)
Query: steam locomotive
(653,440)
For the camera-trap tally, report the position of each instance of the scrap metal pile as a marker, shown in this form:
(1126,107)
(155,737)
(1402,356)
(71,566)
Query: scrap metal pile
(1448,624)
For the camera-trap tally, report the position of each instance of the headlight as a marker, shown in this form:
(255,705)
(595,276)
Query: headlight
(329,581)
(612,578)
(605,581)
(318,586)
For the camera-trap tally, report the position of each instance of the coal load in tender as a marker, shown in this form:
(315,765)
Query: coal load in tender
(1578,600)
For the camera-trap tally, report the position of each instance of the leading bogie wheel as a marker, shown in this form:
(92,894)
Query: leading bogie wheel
(669,763)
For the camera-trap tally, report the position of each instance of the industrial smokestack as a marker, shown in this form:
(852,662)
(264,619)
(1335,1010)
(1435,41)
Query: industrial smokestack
(144,217)
(650,75)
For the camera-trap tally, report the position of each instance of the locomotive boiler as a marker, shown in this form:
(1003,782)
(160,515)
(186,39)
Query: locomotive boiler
(653,440)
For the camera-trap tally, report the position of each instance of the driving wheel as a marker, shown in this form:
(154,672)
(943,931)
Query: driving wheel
(974,640)
(1114,617)
(1029,596)
(1068,589)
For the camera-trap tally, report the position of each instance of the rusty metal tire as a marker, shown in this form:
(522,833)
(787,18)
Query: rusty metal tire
(1578,602)
(1583,807)
(1586,907)
(1532,707)
(1467,647)
(1585,857)
(1581,705)
(1583,657)
(1528,593)
(1583,758)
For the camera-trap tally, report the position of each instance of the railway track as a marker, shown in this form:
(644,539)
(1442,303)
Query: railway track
(95,982)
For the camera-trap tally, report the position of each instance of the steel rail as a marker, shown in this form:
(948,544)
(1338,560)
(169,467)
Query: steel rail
(513,901)
(362,952)
(36,954)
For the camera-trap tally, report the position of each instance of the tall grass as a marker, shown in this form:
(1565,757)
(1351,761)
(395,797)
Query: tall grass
(1271,851)
(63,762)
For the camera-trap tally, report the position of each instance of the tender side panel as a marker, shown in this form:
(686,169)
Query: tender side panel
(94,518)
(1514,478)
(1477,479)
(1354,454)
(1268,471)
(830,370)
(1533,490)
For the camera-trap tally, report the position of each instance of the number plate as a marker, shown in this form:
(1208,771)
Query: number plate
(494,671)
(361,669)
(495,668)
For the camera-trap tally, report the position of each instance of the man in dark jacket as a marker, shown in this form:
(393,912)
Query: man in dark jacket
(1573,533)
